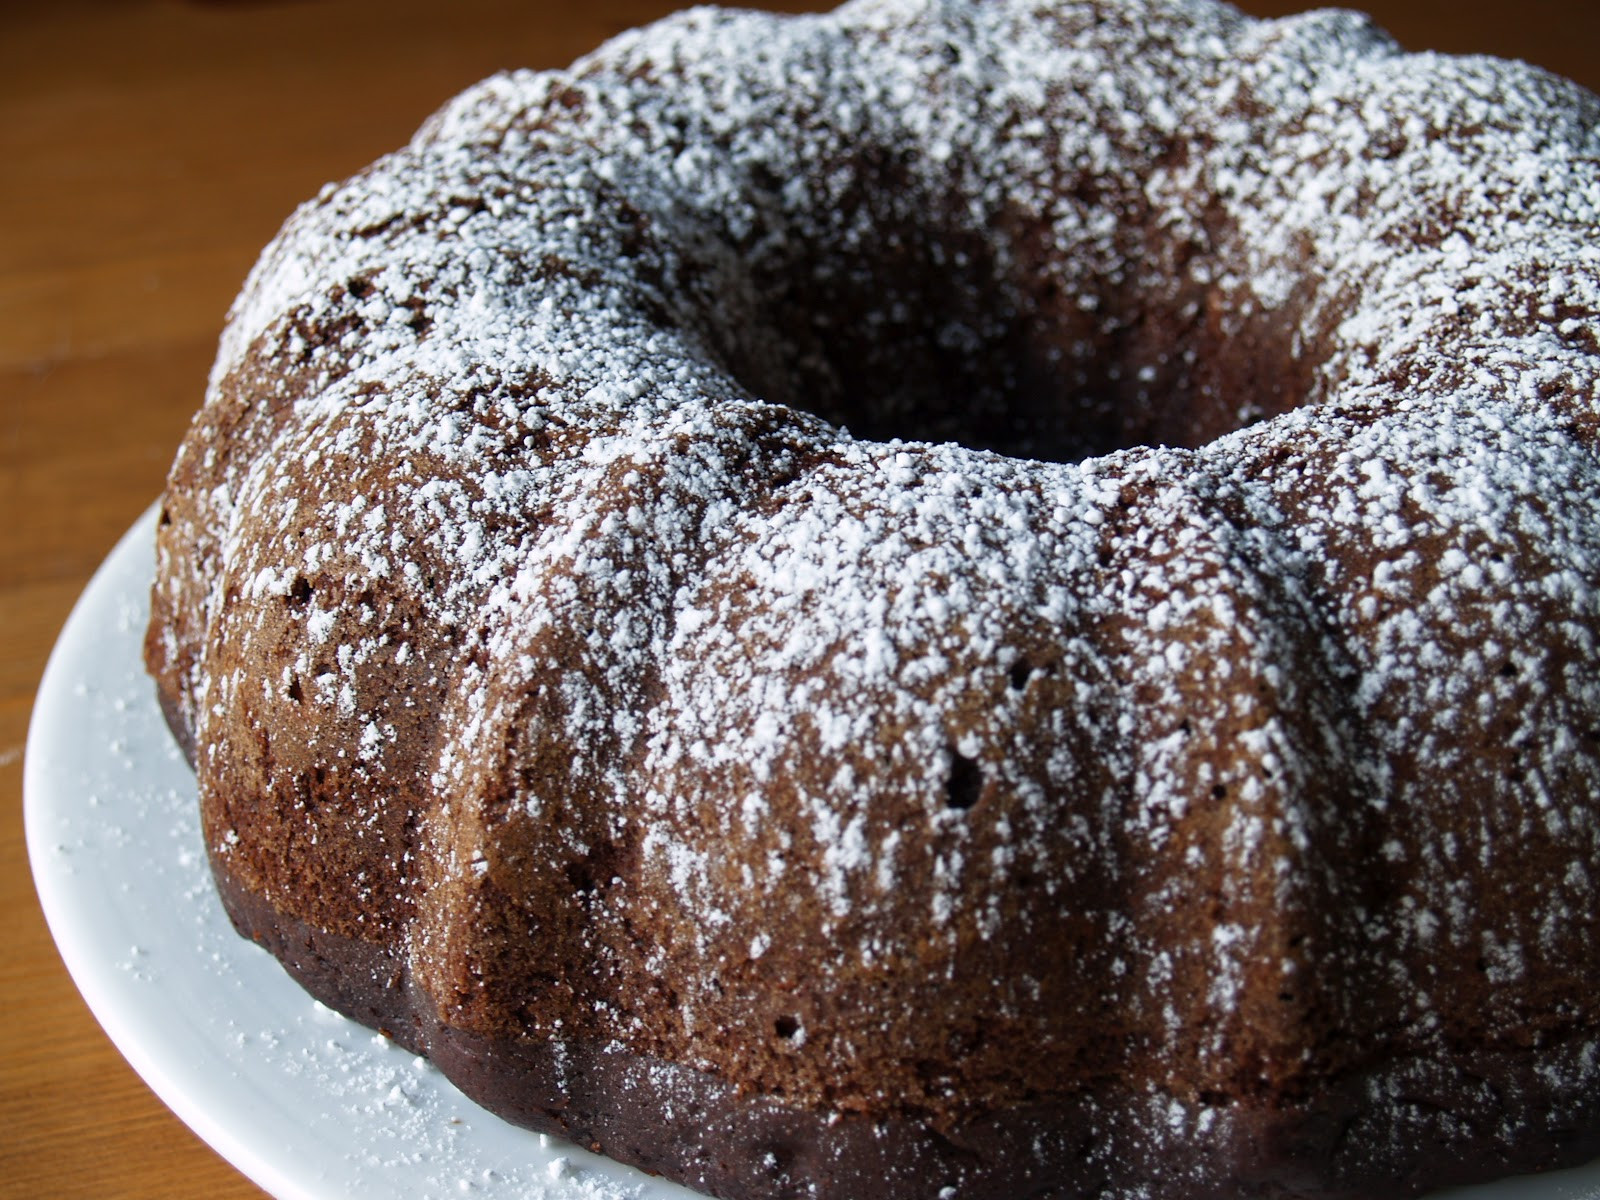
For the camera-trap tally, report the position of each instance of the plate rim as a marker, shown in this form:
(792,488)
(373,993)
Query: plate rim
(200,1101)
(278,1148)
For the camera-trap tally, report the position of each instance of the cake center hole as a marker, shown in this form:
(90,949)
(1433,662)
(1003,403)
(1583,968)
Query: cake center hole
(924,335)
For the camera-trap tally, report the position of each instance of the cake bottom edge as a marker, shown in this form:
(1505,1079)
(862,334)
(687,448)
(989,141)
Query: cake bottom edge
(1399,1130)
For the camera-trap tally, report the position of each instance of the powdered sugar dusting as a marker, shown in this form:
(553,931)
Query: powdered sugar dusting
(517,423)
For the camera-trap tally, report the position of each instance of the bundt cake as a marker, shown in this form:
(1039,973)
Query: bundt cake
(951,599)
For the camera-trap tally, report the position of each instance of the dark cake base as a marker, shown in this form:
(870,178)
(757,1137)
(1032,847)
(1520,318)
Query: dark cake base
(1435,1123)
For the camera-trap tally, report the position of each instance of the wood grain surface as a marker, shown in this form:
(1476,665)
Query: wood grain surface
(147,151)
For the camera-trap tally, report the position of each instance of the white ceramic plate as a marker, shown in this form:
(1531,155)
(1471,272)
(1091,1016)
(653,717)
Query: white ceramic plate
(304,1102)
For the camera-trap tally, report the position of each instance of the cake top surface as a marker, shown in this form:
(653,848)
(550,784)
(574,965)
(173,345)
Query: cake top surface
(509,374)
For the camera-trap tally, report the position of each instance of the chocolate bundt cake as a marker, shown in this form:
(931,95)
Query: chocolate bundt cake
(952,599)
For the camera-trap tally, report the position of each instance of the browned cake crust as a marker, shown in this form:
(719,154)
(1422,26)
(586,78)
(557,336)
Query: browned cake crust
(1172,771)
(1449,1123)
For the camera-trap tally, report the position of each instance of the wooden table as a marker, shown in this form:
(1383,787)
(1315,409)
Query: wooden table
(149,150)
